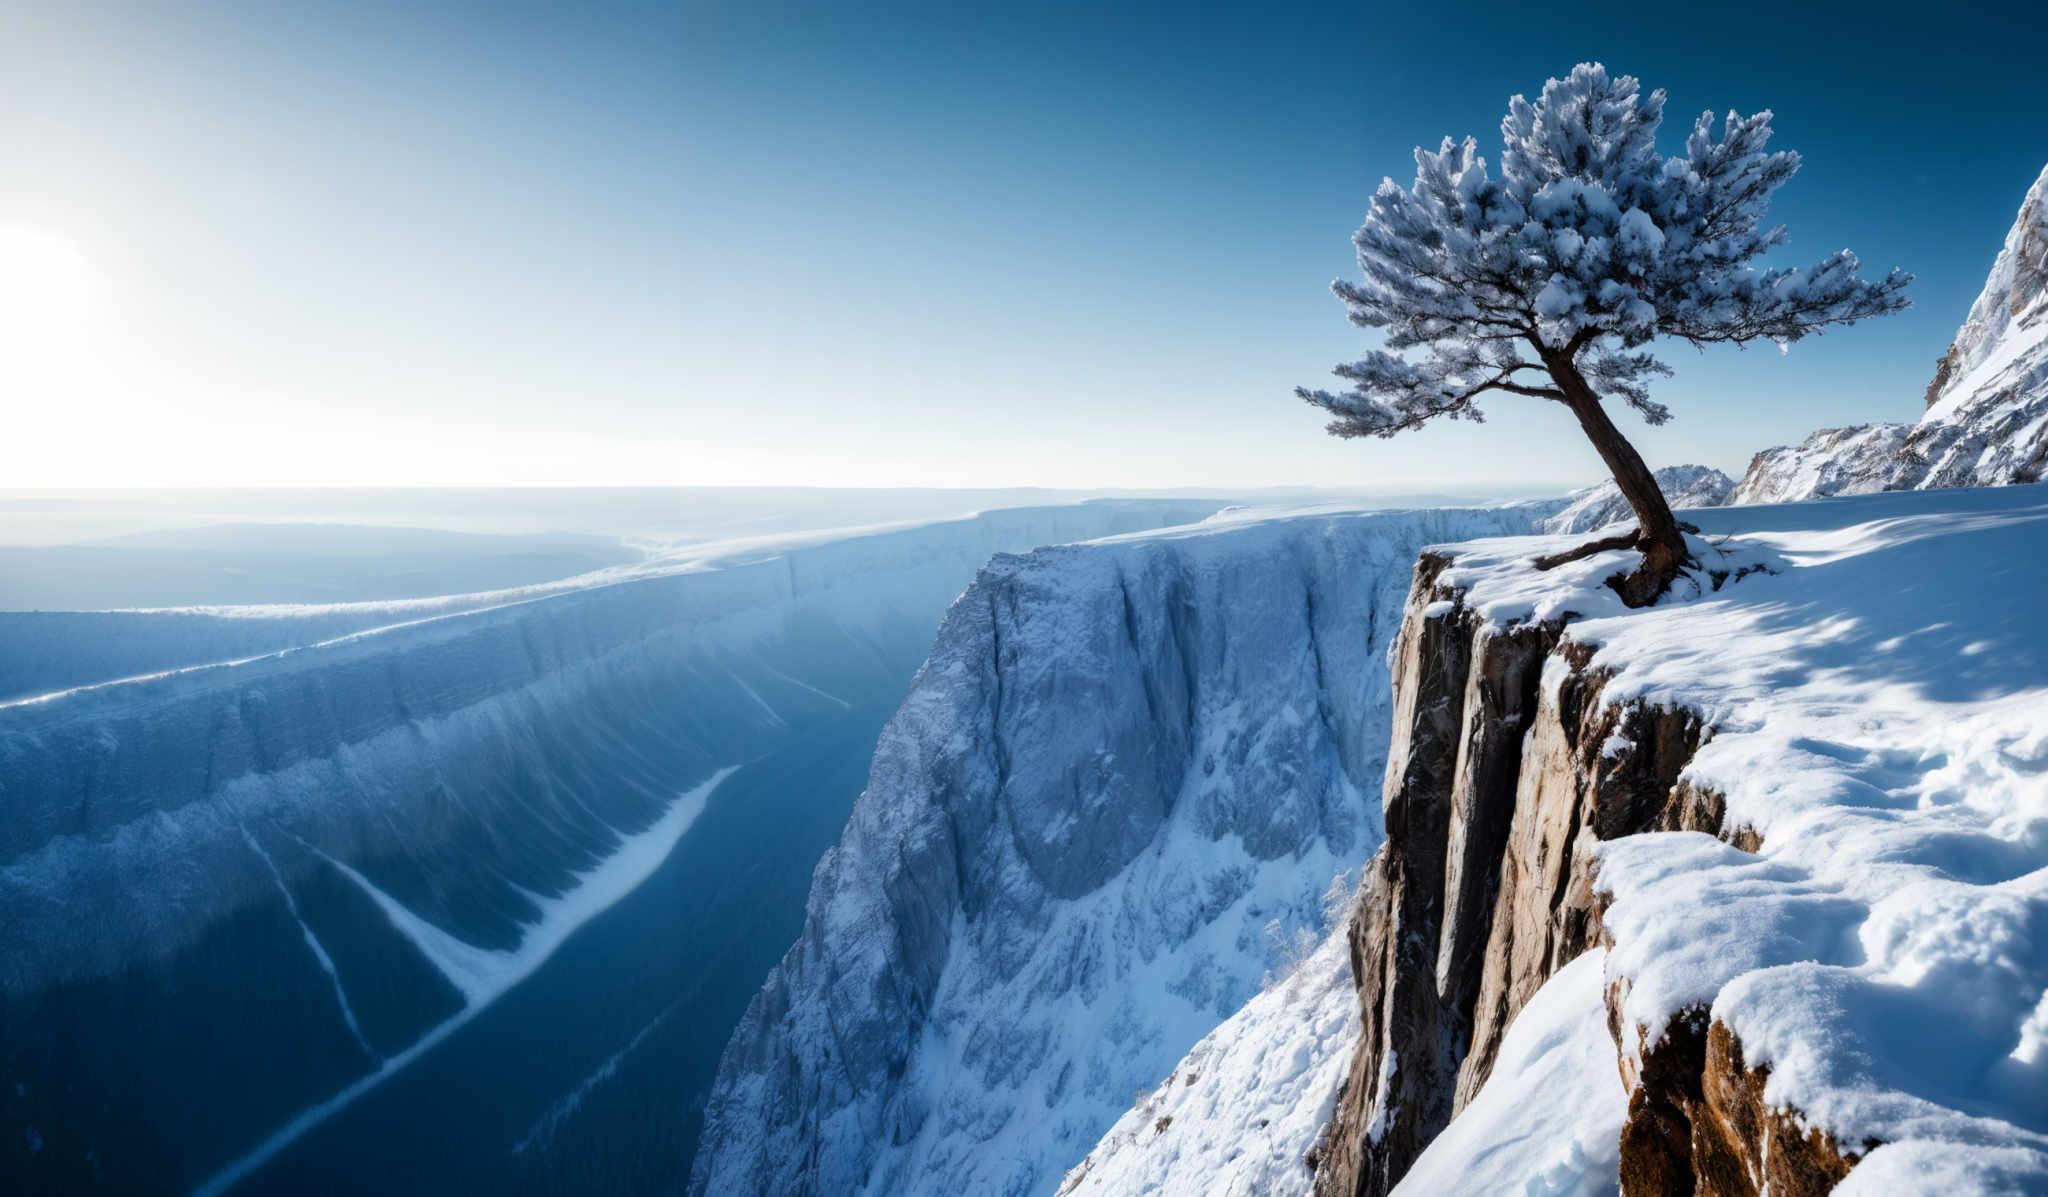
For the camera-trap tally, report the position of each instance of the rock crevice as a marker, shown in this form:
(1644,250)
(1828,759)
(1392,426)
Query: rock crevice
(1507,760)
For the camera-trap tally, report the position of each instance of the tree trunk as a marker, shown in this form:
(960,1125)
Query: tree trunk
(1657,534)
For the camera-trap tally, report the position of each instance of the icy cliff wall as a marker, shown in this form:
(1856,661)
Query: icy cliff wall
(1121,763)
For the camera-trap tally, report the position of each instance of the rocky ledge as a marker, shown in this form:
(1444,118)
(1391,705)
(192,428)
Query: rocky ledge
(1539,738)
(1504,760)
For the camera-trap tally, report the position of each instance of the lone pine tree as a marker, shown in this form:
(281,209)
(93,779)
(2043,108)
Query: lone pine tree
(1547,280)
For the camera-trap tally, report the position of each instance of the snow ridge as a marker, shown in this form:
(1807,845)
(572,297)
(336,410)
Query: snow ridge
(1986,422)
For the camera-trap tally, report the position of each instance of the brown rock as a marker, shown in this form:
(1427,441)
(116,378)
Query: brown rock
(1481,890)
(1698,1122)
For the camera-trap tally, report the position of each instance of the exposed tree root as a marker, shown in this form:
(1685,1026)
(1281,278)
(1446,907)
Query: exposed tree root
(1642,586)
(1626,540)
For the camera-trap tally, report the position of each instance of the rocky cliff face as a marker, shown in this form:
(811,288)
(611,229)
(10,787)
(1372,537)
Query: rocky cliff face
(1504,762)
(1986,422)
(1793,841)
(1123,763)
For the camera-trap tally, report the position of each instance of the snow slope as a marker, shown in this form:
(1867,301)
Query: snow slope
(1122,761)
(1880,706)
(1986,422)
(1236,1117)
(1549,1119)
(313,860)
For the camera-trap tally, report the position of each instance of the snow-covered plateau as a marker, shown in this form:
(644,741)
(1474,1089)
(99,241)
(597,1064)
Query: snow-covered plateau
(264,868)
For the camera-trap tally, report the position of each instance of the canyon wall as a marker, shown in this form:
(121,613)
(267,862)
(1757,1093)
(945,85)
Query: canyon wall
(1506,766)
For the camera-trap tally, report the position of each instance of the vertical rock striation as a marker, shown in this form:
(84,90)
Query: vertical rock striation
(1504,761)
(1123,767)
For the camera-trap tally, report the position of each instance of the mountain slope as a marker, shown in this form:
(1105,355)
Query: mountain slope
(1684,486)
(1986,422)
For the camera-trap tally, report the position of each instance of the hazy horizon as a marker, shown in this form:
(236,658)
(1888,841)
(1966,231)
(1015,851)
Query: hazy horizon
(86,516)
(660,244)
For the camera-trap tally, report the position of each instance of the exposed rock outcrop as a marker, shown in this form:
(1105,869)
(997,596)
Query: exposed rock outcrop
(1504,759)
(1986,422)
(1698,1121)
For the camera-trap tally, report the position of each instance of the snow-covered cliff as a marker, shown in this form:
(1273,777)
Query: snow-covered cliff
(1986,422)
(1121,783)
(315,863)
(1799,806)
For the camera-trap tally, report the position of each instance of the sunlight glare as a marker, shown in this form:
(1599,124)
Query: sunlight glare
(45,291)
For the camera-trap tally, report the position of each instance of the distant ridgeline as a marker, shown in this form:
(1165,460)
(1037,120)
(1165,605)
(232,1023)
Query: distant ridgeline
(257,918)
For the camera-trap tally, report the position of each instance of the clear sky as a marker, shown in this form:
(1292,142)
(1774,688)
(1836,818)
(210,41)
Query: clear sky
(879,244)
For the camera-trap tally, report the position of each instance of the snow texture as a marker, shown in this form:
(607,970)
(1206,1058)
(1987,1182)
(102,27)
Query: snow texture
(1986,422)
(1879,701)
(1548,1120)
(1238,1114)
(1598,506)
(1121,762)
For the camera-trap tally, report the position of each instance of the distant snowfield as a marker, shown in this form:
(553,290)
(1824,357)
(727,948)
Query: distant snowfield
(114,646)
(331,853)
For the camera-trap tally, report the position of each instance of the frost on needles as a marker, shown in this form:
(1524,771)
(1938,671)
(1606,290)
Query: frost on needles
(1548,279)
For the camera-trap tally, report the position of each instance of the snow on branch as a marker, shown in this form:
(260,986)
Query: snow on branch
(1390,394)
(1584,247)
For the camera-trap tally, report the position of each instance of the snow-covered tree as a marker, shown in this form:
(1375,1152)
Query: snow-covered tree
(1547,279)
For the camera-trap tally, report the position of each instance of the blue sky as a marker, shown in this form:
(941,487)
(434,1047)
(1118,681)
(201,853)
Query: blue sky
(881,244)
